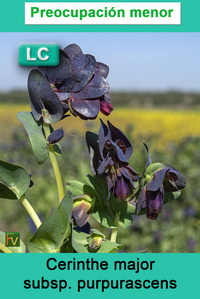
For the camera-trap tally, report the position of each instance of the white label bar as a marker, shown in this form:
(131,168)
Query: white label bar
(95,13)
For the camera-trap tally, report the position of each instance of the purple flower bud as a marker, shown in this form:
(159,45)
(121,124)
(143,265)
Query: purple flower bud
(121,189)
(106,108)
(154,202)
(55,136)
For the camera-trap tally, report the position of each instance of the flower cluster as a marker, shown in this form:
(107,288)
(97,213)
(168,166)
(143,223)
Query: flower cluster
(110,151)
(78,84)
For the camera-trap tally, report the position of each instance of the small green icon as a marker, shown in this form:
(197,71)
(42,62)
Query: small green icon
(38,54)
(12,239)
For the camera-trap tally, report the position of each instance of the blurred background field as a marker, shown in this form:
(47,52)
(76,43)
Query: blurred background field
(168,122)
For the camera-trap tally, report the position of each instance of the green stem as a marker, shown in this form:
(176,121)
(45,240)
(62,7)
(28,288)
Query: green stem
(113,237)
(55,166)
(31,211)
(57,173)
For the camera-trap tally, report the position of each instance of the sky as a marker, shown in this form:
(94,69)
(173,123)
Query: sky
(138,61)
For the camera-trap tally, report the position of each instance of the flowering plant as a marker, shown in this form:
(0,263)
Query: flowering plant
(114,193)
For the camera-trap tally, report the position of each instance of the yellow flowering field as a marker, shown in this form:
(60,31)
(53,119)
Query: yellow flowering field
(165,126)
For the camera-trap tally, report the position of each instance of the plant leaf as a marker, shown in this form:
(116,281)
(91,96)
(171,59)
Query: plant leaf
(55,230)
(44,101)
(80,244)
(57,149)
(122,206)
(78,188)
(94,89)
(108,246)
(36,136)
(169,196)
(100,189)
(61,75)
(153,168)
(79,241)
(125,220)
(85,108)
(14,181)
(104,218)
(149,160)
(103,69)
(97,232)
(83,66)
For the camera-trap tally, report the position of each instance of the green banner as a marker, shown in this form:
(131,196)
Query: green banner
(13,19)
(74,276)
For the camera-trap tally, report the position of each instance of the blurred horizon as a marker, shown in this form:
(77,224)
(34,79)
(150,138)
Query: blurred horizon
(146,100)
(147,91)
(139,62)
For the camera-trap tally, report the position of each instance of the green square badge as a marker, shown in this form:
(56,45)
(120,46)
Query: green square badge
(38,55)
(12,239)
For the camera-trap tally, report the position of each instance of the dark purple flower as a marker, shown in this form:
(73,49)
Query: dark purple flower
(154,202)
(122,189)
(165,179)
(110,151)
(77,84)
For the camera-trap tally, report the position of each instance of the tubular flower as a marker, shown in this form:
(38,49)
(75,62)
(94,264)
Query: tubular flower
(77,84)
(110,151)
(81,209)
(164,179)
